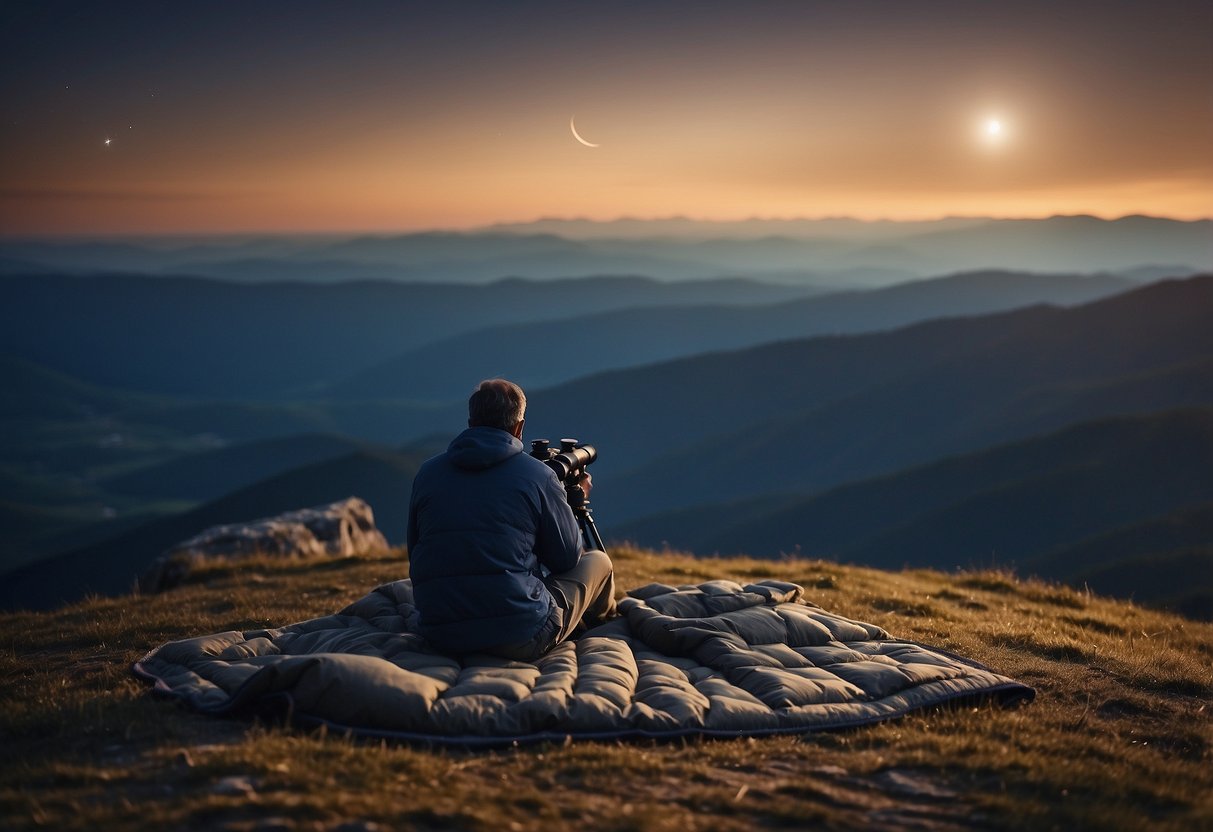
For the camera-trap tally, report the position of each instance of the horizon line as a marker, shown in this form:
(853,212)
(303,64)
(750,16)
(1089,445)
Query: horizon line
(624,218)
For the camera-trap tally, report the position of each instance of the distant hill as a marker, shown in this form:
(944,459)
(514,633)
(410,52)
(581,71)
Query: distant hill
(56,434)
(25,525)
(1188,527)
(1009,504)
(1151,273)
(1180,580)
(808,251)
(685,228)
(557,351)
(214,339)
(387,421)
(807,415)
(52,423)
(384,479)
(210,474)
(1055,506)
(1165,560)
(34,392)
(1058,243)
(56,427)
(35,532)
(80,462)
(1071,242)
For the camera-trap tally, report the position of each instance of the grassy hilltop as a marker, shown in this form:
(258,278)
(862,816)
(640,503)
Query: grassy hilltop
(1120,736)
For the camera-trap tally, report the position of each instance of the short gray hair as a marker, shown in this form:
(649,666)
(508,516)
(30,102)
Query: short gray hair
(496,403)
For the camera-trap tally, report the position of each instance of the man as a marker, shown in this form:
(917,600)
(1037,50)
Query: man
(485,519)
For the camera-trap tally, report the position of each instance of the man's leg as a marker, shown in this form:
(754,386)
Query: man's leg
(587,591)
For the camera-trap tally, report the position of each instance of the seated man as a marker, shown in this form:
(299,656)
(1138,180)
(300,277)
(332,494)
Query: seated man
(483,519)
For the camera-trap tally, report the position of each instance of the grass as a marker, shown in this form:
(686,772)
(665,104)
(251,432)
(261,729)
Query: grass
(1119,737)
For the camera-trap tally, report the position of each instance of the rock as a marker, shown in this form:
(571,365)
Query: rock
(337,530)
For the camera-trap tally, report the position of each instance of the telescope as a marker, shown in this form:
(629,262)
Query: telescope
(569,464)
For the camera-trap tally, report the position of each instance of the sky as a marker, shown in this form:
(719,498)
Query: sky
(216,117)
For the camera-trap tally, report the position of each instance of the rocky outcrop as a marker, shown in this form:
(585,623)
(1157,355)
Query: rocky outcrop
(336,530)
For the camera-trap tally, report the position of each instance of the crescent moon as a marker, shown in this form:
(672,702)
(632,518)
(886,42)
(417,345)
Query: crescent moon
(577,135)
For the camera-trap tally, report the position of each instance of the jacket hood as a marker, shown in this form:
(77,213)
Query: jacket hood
(479,448)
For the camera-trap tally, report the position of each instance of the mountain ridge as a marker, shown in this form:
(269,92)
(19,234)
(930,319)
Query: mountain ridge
(855,406)
(576,346)
(480,255)
(1054,505)
(202,337)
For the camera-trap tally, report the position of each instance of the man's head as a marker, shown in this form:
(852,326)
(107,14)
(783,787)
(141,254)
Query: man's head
(497,403)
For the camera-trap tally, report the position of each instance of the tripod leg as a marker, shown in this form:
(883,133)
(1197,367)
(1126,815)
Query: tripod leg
(589,532)
(581,509)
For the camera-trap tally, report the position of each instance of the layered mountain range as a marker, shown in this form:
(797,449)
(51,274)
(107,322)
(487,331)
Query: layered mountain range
(1055,423)
(831,252)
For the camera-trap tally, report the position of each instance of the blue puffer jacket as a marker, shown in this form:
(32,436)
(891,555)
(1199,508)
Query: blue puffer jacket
(482,518)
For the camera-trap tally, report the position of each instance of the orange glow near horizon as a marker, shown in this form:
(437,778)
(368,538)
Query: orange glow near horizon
(298,210)
(810,112)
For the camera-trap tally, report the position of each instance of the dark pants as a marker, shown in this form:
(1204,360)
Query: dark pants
(584,594)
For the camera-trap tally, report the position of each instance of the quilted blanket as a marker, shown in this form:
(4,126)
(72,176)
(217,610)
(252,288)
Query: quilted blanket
(715,659)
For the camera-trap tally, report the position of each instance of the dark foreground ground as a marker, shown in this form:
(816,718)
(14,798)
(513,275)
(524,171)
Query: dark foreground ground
(1119,737)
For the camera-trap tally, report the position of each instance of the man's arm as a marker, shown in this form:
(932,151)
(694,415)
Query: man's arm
(558,537)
